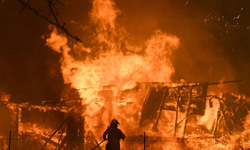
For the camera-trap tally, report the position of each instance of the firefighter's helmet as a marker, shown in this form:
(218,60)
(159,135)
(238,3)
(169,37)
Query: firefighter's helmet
(114,122)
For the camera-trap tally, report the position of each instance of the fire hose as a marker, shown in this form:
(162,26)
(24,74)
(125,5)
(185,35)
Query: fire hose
(98,144)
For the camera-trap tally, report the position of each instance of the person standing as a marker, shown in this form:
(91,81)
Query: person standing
(114,136)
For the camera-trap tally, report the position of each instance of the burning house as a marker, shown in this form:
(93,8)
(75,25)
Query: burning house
(112,75)
(166,110)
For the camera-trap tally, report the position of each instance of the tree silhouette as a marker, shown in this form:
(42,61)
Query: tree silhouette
(51,5)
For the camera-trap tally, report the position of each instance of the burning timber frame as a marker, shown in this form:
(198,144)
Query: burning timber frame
(189,98)
(59,114)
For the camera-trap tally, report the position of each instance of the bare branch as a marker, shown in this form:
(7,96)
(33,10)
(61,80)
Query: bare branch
(53,5)
(59,2)
(24,7)
(62,27)
(51,10)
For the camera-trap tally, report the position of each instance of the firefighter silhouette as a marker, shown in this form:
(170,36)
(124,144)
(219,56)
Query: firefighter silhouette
(114,135)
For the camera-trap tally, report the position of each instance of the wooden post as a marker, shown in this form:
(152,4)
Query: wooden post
(10,140)
(81,133)
(176,114)
(224,115)
(161,106)
(16,132)
(56,131)
(144,103)
(187,110)
(58,143)
(144,140)
(216,120)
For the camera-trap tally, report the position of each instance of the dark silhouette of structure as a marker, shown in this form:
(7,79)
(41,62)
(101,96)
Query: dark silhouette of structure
(187,98)
(74,129)
(74,139)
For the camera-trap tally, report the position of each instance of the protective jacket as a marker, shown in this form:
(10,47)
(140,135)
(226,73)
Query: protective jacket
(114,136)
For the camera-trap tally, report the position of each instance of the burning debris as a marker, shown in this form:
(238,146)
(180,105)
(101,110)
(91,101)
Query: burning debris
(167,110)
(112,78)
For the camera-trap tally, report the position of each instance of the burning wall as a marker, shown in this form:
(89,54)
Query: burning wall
(105,72)
(197,126)
(112,60)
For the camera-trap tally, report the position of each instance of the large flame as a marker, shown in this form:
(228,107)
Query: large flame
(106,78)
(113,65)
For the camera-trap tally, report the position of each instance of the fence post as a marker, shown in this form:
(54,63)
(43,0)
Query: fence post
(9,140)
(144,140)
